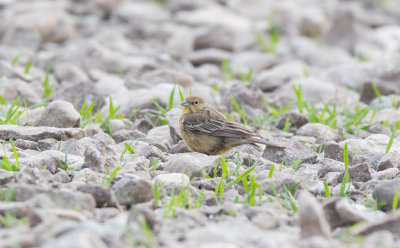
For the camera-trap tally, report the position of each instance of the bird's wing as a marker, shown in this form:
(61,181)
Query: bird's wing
(211,122)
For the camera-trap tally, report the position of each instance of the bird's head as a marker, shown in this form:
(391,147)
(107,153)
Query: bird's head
(193,104)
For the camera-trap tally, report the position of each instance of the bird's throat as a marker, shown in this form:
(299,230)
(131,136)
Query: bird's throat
(186,110)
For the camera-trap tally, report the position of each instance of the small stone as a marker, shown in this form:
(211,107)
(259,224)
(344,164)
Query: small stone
(293,153)
(385,191)
(295,120)
(131,191)
(385,174)
(357,173)
(47,144)
(123,135)
(312,219)
(317,129)
(390,223)
(335,151)
(172,181)
(59,114)
(93,159)
(173,117)
(104,196)
(26,144)
(184,163)
(389,160)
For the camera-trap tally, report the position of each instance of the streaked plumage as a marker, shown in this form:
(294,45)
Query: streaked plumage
(204,129)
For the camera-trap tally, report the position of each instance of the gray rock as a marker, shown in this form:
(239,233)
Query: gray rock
(39,133)
(59,114)
(72,147)
(368,93)
(104,196)
(184,163)
(385,191)
(70,73)
(168,76)
(6,176)
(123,135)
(80,93)
(172,181)
(77,238)
(389,160)
(351,212)
(342,29)
(160,135)
(383,238)
(279,75)
(149,151)
(180,147)
(296,120)
(330,165)
(47,144)
(293,153)
(357,173)
(215,38)
(332,214)
(26,144)
(312,220)
(130,191)
(317,129)
(208,56)
(93,159)
(244,94)
(65,199)
(333,150)
(385,174)
(51,160)
(173,117)
(391,223)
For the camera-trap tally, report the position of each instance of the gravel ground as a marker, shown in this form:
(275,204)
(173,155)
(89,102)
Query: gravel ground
(92,154)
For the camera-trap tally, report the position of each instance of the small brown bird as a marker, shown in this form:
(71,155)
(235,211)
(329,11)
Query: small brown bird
(204,129)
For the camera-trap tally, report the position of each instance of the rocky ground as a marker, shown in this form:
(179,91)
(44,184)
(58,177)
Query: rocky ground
(91,151)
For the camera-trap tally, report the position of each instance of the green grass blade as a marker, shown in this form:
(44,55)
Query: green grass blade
(327,192)
(395,199)
(180,94)
(389,145)
(28,66)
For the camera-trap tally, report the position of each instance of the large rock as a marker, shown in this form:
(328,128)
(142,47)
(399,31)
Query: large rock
(385,192)
(135,190)
(39,133)
(59,114)
(294,153)
(312,219)
(183,163)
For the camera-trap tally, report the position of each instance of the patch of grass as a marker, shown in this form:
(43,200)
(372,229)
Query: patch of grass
(112,176)
(227,72)
(8,195)
(240,110)
(246,77)
(13,113)
(268,44)
(86,113)
(5,163)
(47,89)
(112,114)
(128,148)
(271,171)
(9,220)
(300,98)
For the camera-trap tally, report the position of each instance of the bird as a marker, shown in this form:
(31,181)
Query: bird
(206,130)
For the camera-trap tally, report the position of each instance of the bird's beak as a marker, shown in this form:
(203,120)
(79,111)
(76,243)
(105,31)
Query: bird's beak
(185,103)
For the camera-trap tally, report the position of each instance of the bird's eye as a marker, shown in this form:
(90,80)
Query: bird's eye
(196,102)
